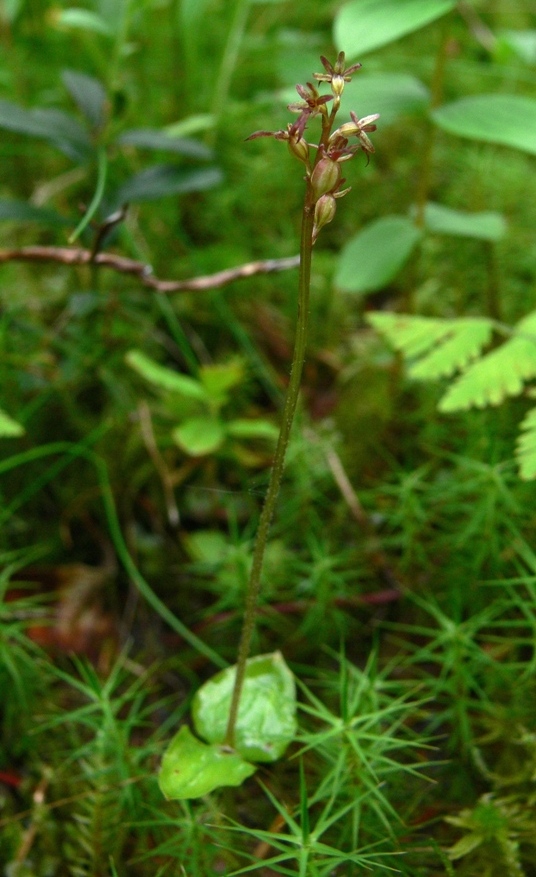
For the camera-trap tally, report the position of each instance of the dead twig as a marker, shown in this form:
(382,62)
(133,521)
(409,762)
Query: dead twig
(144,273)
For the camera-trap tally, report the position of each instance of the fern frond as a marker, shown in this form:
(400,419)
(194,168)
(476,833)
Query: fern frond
(440,346)
(499,374)
(466,339)
(412,336)
(526,446)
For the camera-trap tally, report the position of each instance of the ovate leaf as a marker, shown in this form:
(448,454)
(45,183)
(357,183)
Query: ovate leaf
(23,211)
(60,129)
(207,546)
(88,94)
(153,138)
(508,120)
(485,226)
(219,379)
(373,258)
(9,428)
(499,374)
(162,180)
(252,429)
(191,769)
(526,447)
(164,378)
(522,42)
(199,436)
(363,25)
(389,94)
(266,721)
(83,19)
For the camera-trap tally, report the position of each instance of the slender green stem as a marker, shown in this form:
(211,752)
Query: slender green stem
(291,399)
(102,166)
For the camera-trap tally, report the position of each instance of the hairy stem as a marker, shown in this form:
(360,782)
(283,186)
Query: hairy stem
(291,399)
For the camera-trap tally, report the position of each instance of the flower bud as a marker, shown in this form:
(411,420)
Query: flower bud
(325,177)
(299,148)
(324,212)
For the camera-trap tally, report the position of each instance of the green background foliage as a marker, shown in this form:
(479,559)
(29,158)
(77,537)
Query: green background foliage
(137,429)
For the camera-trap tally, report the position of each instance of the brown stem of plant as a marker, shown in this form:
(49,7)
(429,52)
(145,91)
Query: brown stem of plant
(291,399)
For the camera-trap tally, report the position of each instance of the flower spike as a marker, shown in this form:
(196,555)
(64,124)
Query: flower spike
(323,171)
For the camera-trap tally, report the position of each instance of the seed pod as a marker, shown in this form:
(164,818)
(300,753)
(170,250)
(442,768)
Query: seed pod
(324,212)
(325,177)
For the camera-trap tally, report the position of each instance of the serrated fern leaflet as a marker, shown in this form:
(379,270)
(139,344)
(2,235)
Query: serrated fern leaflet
(439,348)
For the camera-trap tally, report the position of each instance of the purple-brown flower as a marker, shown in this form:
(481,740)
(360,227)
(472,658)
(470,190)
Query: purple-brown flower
(356,128)
(323,169)
(336,74)
(312,104)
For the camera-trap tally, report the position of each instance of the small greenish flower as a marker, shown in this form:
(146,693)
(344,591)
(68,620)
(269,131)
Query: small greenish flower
(336,74)
(356,128)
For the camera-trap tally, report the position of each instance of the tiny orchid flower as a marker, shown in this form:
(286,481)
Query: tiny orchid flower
(323,174)
(336,74)
(312,104)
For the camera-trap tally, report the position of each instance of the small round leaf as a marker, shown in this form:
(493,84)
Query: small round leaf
(267,713)
(199,436)
(191,769)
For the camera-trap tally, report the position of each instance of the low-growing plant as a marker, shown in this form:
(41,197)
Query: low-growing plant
(246,713)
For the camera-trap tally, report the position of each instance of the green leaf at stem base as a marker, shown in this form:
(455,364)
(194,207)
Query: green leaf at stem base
(266,721)
(191,769)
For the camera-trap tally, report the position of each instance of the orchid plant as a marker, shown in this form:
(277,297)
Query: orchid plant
(247,712)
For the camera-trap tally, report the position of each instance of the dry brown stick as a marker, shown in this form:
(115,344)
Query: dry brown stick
(144,273)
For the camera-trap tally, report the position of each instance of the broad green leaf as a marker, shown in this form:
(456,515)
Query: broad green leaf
(267,713)
(497,375)
(88,94)
(526,447)
(373,258)
(22,211)
(60,129)
(389,94)
(466,338)
(207,546)
(193,124)
(165,378)
(83,19)
(219,379)
(116,14)
(363,25)
(508,120)
(191,769)
(153,138)
(486,226)
(11,9)
(162,180)
(522,42)
(199,436)
(252,429)
(9,428)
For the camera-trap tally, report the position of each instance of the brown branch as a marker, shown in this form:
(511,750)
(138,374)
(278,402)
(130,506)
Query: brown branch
(144,273)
